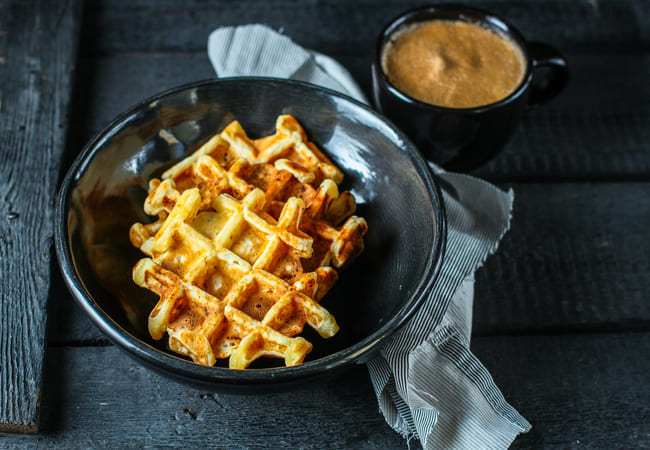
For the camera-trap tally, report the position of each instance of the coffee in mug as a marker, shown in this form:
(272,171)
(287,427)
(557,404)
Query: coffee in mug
(454,64)
(466,96)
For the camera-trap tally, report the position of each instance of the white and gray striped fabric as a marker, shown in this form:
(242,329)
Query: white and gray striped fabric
(428,383)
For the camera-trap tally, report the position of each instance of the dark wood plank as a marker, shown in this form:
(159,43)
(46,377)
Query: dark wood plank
(67,323)
(38,43)
(90,387)
(576,390)
(106,87)
(574,259)
(598,129)
(135,26)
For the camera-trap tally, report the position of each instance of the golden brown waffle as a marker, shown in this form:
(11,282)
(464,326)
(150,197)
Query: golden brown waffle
(241,253)
(230,162)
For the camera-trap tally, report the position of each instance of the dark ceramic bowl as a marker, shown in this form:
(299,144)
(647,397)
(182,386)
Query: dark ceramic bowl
(103,193)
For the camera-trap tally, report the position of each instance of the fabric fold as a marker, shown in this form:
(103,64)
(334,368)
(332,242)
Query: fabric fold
(256,50)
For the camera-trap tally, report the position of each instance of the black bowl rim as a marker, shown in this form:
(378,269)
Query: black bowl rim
(188,370)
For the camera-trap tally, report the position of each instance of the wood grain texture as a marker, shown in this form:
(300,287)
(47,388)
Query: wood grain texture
(135,26)
(67,323)
(38,50)
(597,129)
(576,390)
(574,259)
(93,387)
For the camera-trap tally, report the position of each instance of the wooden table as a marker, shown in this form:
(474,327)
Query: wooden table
(561,317)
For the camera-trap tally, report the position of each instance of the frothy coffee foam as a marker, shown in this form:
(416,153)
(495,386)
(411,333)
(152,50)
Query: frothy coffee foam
(453,64)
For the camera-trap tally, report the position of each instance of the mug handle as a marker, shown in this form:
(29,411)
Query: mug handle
(545,56)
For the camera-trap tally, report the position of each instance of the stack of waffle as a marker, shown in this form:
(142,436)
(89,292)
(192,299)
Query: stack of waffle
(248,236)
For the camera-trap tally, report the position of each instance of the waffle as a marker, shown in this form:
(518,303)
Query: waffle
(243,248)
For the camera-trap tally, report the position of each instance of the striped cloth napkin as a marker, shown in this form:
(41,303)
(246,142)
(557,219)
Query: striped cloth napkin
(428,383)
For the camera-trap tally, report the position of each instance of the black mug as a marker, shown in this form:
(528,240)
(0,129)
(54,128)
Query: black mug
(462,139)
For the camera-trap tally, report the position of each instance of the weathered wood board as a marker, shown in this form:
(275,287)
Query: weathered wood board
(577,390)
(38,50)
